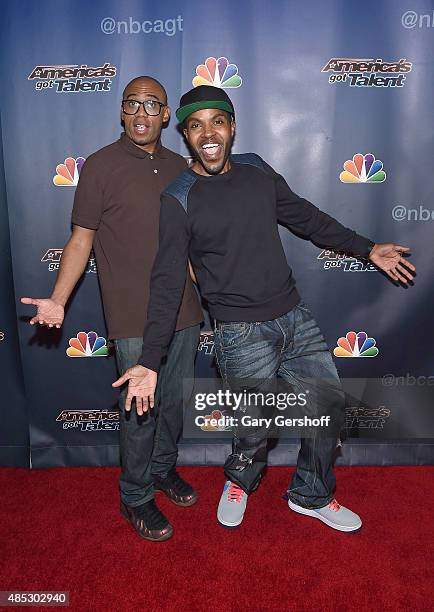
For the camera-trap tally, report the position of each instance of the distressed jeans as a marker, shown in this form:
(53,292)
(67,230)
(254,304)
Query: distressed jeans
(290,348)
(149,444)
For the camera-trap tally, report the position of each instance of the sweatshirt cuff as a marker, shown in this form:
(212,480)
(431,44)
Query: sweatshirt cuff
(362,246)
(151,360)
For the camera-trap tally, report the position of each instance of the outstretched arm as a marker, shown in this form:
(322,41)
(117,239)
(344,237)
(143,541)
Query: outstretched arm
(50,311)
(86,215)
(308,221)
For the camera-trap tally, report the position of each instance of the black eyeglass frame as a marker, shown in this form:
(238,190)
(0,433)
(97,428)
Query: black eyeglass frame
(144,107)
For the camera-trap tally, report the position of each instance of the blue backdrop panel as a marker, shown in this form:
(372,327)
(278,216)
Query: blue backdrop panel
(14,430)
(336,98)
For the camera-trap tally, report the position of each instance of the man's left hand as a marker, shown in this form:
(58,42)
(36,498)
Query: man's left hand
(388,257)
(141,385)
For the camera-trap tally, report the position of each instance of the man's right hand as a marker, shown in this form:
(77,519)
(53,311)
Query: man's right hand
(48,312)
(141,385)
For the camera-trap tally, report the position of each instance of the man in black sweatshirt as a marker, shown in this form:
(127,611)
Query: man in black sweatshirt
(223,214)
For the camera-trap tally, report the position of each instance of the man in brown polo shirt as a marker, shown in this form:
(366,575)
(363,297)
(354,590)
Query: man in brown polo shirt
(116,210)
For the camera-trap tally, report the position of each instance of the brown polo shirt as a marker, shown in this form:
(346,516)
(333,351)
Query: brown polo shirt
(118,195)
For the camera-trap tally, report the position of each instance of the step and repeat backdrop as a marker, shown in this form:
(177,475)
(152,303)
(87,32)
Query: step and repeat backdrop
(337,97)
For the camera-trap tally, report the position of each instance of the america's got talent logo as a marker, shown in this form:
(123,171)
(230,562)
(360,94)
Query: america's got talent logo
(72,78)
(358,72)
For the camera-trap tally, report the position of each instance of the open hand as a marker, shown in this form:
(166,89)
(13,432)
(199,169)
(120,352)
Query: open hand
(48,312)
(141,385)
(388,257)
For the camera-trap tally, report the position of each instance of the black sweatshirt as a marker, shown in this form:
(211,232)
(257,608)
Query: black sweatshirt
(227,225)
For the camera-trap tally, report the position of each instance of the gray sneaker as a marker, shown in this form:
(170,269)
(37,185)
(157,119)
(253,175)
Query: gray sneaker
(232,505)
(334,515)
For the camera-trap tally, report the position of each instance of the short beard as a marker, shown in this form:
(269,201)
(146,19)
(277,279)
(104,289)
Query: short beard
(212,170)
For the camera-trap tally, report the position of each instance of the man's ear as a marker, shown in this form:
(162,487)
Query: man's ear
(166,114)
(233,126)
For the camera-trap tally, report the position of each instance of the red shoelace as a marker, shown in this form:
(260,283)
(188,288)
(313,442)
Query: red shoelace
(235,493)
(333,505)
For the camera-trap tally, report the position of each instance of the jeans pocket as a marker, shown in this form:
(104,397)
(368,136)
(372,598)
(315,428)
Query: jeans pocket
(304,313)
(232,335)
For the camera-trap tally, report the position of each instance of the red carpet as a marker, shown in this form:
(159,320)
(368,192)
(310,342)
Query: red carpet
(61,530)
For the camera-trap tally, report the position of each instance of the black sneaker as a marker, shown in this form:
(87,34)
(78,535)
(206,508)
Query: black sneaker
(176,489)
(149,522)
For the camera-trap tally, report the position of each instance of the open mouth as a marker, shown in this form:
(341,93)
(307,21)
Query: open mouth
(140,128)
(211,150)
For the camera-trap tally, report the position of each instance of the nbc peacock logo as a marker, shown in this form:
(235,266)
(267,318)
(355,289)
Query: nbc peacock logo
(356,345)
(217,72)
(87,345)
(363,169)
(68,173)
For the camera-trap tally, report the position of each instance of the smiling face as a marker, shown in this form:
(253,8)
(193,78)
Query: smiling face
(210,133)
(144,130)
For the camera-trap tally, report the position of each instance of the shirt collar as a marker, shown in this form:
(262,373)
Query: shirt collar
(129,146)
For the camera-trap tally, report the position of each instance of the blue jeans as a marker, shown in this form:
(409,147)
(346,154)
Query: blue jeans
(291,348)
(149,444)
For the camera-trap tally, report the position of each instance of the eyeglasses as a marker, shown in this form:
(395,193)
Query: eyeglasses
(151,107)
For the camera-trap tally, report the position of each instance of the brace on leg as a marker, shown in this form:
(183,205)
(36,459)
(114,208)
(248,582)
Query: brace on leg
(246,462)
